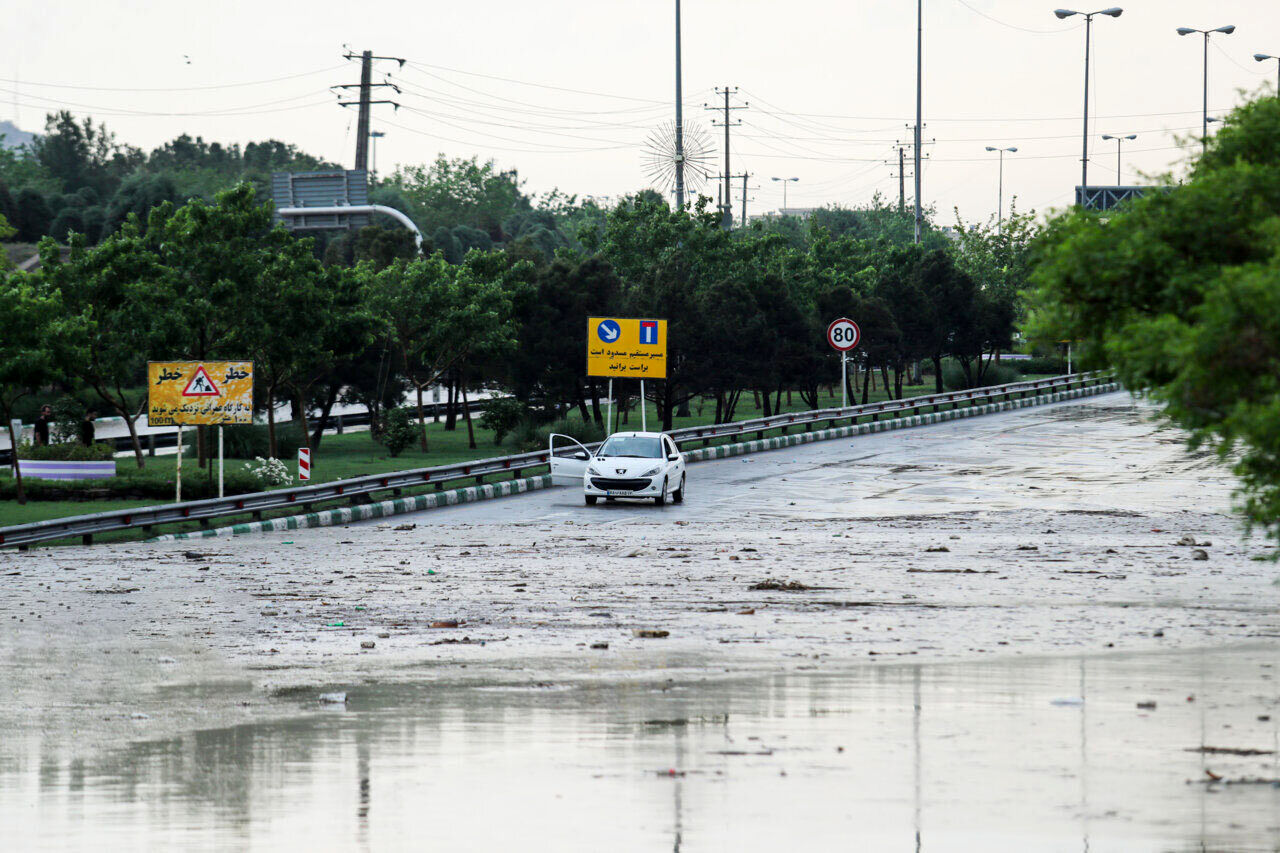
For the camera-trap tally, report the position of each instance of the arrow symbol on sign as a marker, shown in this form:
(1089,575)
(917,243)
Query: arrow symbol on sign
(609,332)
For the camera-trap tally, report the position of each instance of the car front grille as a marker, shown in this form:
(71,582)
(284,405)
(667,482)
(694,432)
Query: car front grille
(611,484)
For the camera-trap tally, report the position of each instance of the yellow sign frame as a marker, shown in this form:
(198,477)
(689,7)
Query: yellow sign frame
(177,396)
(626,357)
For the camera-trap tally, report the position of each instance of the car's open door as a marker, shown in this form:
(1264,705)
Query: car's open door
(569,460)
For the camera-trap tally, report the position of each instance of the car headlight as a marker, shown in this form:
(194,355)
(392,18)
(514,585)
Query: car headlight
(652,472)
(593,472)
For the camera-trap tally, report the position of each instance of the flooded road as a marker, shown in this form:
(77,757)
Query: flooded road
(945,630)
(1047,754)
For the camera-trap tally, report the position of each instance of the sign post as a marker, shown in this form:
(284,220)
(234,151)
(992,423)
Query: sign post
(627,349)
(209,393)
(844,335)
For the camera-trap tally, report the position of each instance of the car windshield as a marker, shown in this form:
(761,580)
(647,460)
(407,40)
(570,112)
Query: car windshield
(636,446)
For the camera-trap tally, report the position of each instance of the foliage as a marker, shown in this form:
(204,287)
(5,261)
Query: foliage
(529,436)
(153,485)
(501,415)
(71,451)
(247,441)
(954,378)
(1038,366)
(399,432)
(269,472)
(1177,291)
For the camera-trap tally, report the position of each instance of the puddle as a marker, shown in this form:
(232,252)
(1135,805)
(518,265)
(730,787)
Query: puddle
(1046,754)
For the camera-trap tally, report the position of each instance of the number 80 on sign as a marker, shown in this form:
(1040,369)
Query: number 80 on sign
(843,335)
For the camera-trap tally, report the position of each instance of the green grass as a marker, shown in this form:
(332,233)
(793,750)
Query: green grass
(355,454)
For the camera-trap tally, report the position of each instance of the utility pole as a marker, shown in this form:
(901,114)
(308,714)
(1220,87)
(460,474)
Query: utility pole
(745,188)
(901,178)
(726,200)
(919,110)
(679,118)
(366,102)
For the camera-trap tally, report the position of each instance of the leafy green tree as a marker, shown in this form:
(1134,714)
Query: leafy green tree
(437,317)
(1178,293)
(448,193)
(117,287)
(32,325)
(34,215)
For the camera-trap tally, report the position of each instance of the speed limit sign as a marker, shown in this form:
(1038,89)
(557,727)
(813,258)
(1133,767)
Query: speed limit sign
(843,335)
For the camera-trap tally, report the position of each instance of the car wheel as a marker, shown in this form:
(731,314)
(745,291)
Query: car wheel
(678,495)
(590,499)
(661,500)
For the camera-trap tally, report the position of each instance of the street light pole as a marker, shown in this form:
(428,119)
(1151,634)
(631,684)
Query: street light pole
(1263,57)
(1000,191)
(785,181)
(1119,140)
(375,135)
(919,112)
(1226,31)
(1113,12)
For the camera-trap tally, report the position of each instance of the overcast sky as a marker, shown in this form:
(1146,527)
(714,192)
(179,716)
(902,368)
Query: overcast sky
(830,85)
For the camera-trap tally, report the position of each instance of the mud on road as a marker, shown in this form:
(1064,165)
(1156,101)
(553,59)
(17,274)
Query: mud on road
(1082,527)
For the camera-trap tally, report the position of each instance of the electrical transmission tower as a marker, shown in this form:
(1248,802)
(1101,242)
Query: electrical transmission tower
(745,189)
(365,103)
(726,200)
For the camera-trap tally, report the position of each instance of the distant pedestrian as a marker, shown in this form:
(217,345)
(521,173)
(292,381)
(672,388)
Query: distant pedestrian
(87,428)
(42,425)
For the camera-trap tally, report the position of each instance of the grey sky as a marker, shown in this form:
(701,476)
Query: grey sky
(831,84)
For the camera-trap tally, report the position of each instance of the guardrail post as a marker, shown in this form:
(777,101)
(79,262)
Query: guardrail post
(204,523)
(86,539)
(397,492)
(147,529)
(257,515)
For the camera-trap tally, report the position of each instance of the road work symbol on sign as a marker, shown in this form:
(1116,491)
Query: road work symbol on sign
(609,331)
(843,335)
(626,349)
(201,385)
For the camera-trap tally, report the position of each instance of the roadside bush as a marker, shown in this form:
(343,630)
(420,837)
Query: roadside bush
(529,436)
(150,487)
(1040,366)
(250,441)
(400,430)
(996,374)
(68,412)
(70,452)
(502,416)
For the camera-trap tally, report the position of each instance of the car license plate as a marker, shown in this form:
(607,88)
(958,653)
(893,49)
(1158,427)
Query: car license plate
(618,493)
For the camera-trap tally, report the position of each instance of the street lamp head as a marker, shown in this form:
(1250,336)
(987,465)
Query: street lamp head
(1132,136)
(1012,150)
(1227,30)
(1064,13)
(1107,136)
(1114,11)
(991,148)
(1262,57)
(1186,31)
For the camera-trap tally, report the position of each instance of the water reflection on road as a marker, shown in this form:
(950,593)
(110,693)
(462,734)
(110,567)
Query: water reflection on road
(1049,754)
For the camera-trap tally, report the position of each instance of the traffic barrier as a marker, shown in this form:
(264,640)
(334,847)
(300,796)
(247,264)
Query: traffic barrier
(489,491)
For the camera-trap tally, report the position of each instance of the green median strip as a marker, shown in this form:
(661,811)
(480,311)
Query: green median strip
(506,488)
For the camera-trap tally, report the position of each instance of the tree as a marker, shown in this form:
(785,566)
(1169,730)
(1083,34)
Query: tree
(1178,293)
(449,193)
(32,325)
(118,288)
(437,316)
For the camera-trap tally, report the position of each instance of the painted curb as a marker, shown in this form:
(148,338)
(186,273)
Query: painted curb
(490,491)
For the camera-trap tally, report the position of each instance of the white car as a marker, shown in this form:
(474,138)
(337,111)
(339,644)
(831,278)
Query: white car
(627,465)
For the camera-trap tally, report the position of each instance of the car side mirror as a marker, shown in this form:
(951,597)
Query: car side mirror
(674,457)
(581,455)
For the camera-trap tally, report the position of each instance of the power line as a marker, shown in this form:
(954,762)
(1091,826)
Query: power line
(173,88)
(996,20)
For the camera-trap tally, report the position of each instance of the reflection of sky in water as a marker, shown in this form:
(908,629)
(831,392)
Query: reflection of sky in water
(969,756)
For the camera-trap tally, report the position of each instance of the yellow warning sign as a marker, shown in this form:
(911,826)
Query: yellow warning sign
(201,393)
(629,349)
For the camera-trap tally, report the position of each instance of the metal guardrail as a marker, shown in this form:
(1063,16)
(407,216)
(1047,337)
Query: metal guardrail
(153,441)
(360,489)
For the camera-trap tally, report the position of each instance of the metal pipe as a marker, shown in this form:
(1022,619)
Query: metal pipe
(355,208)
